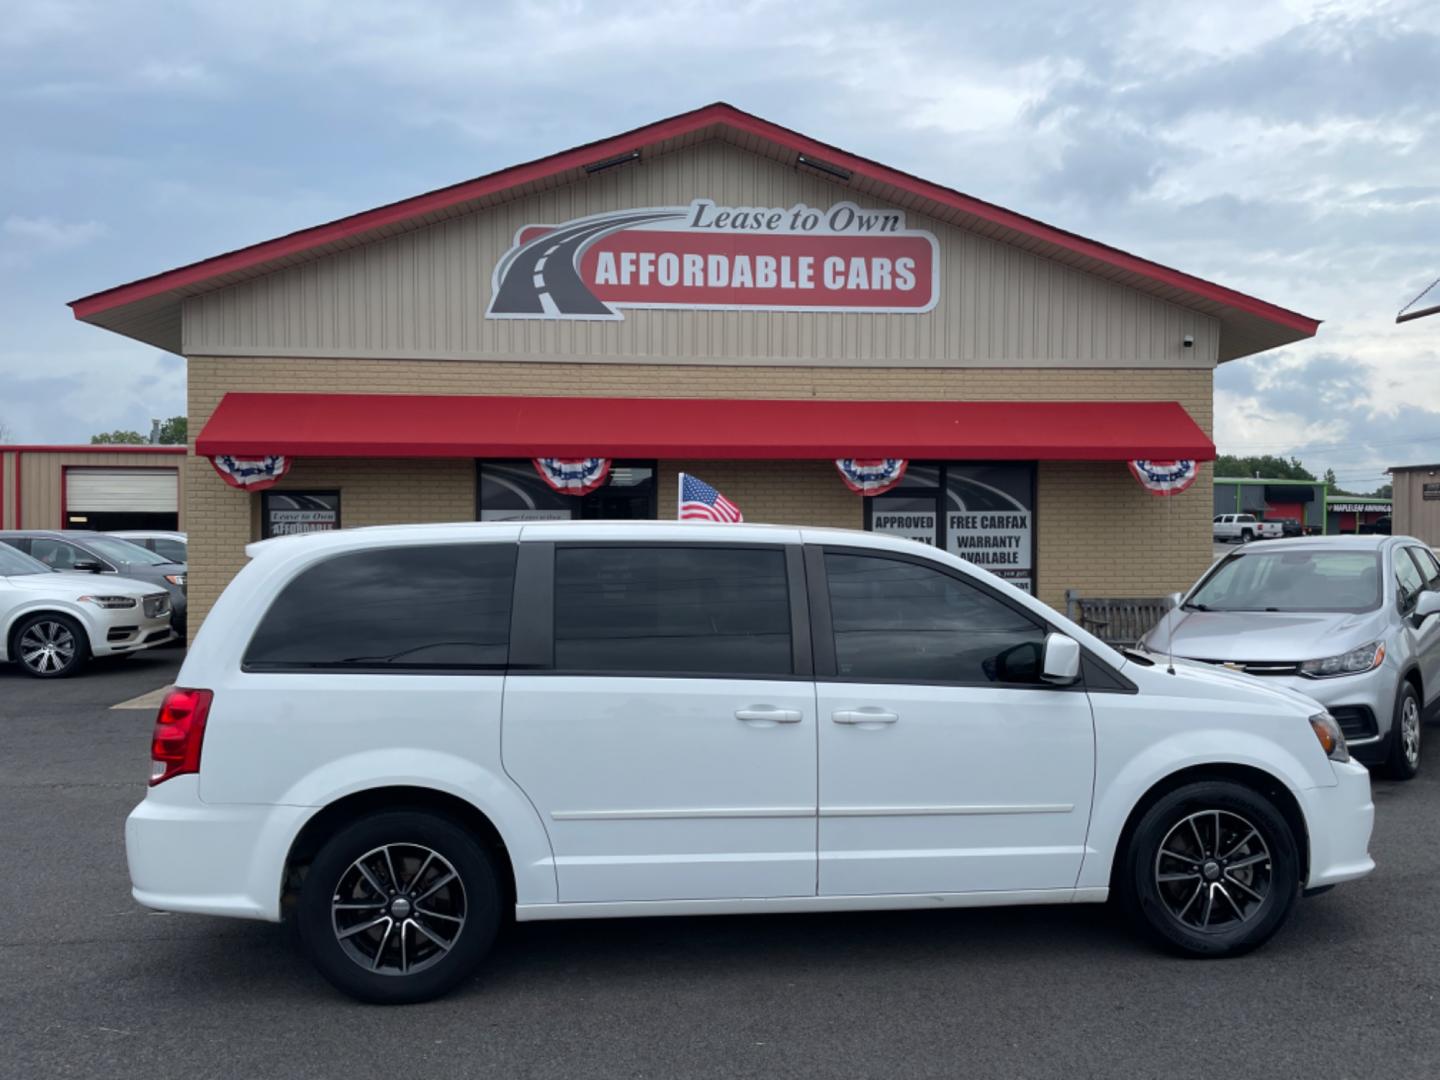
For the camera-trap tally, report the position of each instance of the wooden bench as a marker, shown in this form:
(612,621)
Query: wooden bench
(1115,620)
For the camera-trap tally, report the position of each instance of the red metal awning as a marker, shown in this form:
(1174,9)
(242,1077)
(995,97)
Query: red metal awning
(402,425)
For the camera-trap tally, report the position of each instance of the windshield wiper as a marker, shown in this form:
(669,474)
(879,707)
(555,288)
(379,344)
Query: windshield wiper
(1194,607)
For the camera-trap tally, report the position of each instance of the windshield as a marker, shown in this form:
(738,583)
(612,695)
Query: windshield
(1292,581)
(14,563)
(117,550)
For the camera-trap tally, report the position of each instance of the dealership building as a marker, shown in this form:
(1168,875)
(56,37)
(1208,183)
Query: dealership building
(91,487)
(824,339)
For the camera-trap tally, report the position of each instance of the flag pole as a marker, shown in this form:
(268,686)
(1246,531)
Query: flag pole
(679,493)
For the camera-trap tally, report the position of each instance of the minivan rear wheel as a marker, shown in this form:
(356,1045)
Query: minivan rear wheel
(1211,870)
(399,907)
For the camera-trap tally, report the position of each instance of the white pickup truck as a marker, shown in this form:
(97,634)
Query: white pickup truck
(1244,528)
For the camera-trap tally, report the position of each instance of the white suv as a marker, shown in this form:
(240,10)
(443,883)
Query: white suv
(408,731)
(52,623)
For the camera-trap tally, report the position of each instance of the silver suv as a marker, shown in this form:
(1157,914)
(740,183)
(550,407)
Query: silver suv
(1347,620)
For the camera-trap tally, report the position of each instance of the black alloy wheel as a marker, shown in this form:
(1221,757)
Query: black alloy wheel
(399,907)
(1212,869)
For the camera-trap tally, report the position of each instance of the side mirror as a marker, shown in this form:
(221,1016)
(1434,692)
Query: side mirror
(1175,598)
(1060,665)
(1426,605)
(83,566)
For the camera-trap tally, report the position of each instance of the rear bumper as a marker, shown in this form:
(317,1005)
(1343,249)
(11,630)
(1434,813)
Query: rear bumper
(186,855)
(1340,820)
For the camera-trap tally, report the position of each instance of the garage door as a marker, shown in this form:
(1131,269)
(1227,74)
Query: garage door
(122,490)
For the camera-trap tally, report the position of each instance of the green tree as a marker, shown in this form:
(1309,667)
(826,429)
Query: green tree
(118,437)
(173,431)
(1264,467)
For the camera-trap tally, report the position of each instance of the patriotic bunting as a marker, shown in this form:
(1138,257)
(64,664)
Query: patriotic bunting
(251,474)
(871,476)
(573,476)
(1165,477)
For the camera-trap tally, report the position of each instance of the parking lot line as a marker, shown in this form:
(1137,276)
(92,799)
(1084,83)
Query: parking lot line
(149,700)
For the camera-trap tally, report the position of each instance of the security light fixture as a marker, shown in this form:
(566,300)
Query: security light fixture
(1188,341)
(824,167)
(610,163)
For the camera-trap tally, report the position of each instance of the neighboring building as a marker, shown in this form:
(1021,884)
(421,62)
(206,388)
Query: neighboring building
(1415,492)
(1354,513)
(1272,500)
(716,294)
(91,487)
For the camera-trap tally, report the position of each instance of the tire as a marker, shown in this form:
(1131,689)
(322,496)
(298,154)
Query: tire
(441,943)
(1246,536)
(49,646)
(1402,757)
(1244,887)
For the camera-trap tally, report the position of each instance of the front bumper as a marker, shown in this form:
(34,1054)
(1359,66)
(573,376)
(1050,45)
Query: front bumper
(1340,819)
(1364,704)
(187,855)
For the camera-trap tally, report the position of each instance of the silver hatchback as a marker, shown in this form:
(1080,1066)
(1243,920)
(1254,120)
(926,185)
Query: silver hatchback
(1347,620)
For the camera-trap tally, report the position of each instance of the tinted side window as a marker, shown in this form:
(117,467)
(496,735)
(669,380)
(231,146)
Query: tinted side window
(1408,582)
(173,550)
(902,621)
(701,611)
(1429,568)
(59,555)
(392,609)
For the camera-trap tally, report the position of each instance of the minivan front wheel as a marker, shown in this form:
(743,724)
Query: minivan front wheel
(399,907)
(1211,870)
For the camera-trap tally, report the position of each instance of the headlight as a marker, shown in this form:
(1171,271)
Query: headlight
(1332,739)
(1365,658)
(111,601)
(176,579)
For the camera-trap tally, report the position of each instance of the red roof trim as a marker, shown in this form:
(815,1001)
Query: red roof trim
(719,113)
(91,448)
(416,425)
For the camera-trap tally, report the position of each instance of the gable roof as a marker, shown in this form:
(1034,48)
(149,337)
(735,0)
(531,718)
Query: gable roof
(149,309)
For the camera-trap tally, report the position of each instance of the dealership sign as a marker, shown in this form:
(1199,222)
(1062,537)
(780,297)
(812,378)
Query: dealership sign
(707,256)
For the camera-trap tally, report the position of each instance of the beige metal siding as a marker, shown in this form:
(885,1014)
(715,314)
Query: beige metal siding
(40,484)
(1412,514)
(423,294)
(7,489)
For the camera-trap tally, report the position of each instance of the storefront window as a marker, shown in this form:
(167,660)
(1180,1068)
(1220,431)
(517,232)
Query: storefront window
(982,512)
(514,491)
(288,513)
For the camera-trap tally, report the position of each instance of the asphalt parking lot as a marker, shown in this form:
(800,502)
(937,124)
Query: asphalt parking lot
(93,985)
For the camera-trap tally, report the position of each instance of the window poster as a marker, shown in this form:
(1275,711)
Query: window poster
(990,518)
(984,512)
(290,513)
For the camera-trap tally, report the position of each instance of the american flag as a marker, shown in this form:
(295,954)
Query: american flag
(701,502)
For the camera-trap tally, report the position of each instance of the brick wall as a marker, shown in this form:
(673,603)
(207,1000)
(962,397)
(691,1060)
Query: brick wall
(1097,529)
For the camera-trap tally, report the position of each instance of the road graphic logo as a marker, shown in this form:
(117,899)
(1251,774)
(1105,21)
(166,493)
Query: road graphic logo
(709,257)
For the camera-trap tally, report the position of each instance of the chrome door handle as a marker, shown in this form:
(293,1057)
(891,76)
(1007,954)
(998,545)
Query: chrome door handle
(864,716)
(764,714)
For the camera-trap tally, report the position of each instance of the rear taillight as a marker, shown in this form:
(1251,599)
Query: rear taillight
(179,731)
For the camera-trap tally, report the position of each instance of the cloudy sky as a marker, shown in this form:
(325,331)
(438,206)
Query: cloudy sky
(1288,149)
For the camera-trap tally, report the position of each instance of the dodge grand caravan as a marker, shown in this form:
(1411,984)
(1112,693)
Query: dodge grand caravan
(392,736)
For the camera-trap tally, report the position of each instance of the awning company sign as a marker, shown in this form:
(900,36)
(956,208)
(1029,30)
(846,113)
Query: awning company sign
(1360,508)
(705,256)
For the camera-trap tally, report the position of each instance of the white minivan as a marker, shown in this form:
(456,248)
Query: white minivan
(395,736)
